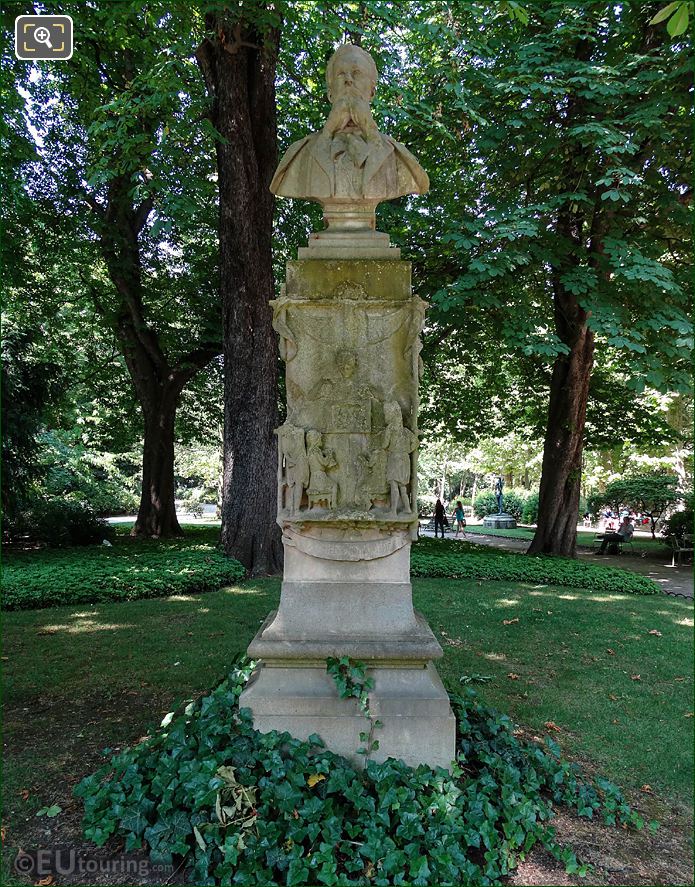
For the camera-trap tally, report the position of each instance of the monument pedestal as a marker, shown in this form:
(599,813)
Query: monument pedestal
(500,521)
(347,470)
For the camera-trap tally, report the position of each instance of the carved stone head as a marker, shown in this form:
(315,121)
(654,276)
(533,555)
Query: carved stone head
(351,73)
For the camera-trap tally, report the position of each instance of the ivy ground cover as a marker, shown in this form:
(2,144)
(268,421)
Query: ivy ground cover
(542,654)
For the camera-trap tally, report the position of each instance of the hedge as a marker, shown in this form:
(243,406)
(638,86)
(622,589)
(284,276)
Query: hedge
(462,560)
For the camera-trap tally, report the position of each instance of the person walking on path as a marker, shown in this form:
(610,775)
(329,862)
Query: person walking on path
(624,534)
(439,517)
(460,519)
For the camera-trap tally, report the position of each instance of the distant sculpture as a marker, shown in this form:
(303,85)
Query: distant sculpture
(293,458)
(349,162)
(499,486)
(399,443)
(322,487)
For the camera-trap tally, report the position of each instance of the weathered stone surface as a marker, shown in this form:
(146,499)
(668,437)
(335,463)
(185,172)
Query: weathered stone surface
(500,521)
(349,329)
(349,167)
(411,703)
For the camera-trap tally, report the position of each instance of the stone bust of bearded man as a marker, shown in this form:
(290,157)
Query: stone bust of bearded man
(349,162)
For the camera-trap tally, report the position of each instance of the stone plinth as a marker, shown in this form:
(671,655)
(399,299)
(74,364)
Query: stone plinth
(500,521)
(349,333)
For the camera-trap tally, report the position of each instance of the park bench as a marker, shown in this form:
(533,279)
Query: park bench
(681,546)
(627,546)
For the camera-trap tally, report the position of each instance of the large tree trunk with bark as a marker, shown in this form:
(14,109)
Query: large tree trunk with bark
(157,383)
(157,512)
(238,64)
(558,501)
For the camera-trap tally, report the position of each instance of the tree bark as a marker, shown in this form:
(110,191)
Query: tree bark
(157,512)
(158,383)
(238,63)
(558,500)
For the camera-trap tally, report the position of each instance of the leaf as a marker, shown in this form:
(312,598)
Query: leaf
(25,794)
(510,621)
(678,23)
(314,779)
(612,697)
(647,789)
(664,13)
(551,725)
(655,632)
(44,882)
(635,677)
(51,811)
(610,652)
(200,840)
(512,676)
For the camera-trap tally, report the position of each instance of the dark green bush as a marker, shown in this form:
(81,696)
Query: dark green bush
(129,570)
(57,523)
(486,503)
(463,560)
(237,806)
(680,522)
(530,513)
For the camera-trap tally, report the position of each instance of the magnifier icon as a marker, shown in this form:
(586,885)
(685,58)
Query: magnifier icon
(43,35)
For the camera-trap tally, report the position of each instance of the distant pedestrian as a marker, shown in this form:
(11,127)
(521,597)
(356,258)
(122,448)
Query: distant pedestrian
(439,517)
(460,519)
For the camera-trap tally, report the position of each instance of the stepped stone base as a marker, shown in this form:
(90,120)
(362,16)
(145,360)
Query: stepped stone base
(500,521)
(411,702)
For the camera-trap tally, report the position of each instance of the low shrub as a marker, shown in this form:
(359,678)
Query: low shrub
(232,805)
(463,560)
(530,513)
(129,570)
(680,522)
(57,523)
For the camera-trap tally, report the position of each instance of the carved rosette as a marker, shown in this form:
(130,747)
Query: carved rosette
(347,452)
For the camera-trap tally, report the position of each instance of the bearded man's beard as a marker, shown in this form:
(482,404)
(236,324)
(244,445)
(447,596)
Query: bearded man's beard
(353,113)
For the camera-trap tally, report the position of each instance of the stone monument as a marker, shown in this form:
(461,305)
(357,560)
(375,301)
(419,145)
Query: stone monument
(349,329)
(501,520)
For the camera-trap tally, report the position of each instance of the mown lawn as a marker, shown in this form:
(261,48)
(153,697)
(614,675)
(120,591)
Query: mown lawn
(613,673)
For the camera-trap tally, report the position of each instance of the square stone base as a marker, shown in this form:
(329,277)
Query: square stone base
(418,724)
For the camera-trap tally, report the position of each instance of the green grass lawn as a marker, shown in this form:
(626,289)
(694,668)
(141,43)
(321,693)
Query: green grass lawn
(79,678)
(585,538)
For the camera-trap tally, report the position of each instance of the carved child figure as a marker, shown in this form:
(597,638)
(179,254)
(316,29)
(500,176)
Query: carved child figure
(399,443)
(322,487)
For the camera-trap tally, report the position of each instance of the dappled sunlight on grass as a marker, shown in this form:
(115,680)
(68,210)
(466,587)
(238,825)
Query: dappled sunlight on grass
(687,622)
(507,602)
(184,598)
(203,610)
(584,595)
(239,589)
(86,626)
(495,657)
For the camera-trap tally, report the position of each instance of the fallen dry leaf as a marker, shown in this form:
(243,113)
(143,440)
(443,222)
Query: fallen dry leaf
(635,677)
(510,621)
(615,721)
(610,652)
(688,714)
(512,676)
(44,882)
(647,789)
(655,632)
(551,725)
(314,779)
(612,697)
(25,794)
(3,832)
(679,680)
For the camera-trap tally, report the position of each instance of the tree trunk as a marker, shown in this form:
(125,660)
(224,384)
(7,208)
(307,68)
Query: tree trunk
(157,512)
(558,501)
(238,64)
